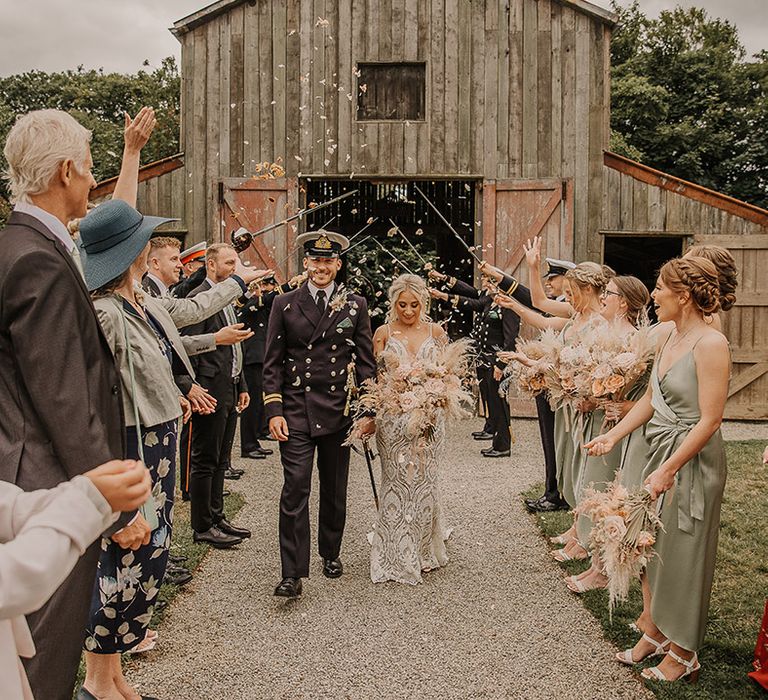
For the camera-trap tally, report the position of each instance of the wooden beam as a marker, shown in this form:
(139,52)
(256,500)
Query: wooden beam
(747,377)
(641,172)
(751,298)
(147,172)
(648,234)
(588,8)
(188,23)
(745,242)
(741,412)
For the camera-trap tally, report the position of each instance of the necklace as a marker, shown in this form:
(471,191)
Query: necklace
(680,337)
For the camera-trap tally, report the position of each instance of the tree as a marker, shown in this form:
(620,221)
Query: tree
(98,100)
(687,102)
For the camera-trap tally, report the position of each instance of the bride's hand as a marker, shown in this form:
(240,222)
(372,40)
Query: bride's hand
(533,252)
(367,427)
(504,301)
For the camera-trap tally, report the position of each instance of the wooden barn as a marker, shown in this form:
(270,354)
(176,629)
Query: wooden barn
(497,109)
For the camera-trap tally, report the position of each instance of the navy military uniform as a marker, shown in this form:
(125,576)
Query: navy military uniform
(551,499)
(495,329)
(311,358)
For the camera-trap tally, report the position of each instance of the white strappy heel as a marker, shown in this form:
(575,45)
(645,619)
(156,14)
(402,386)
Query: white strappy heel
(691,674)
(661,648)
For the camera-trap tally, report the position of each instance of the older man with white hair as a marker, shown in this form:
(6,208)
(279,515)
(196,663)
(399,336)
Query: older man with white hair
(60,403)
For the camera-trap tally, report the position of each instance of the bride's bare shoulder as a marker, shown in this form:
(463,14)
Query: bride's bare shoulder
(438,332)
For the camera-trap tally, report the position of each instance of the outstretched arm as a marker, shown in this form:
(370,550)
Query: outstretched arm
(137,133)
(529,316)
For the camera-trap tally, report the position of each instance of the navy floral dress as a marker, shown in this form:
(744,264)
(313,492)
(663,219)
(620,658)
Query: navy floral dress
(127,582)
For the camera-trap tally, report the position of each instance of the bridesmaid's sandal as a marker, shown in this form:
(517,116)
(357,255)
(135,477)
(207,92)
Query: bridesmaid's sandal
(561,555)
(561,539)
(691,674)
(579,586)
(660,649)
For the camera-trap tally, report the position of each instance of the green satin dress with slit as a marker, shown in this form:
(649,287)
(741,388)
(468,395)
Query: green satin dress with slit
(681,576)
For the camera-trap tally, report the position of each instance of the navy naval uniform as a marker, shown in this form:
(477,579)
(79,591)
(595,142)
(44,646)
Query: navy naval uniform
(495,329)
(308,356)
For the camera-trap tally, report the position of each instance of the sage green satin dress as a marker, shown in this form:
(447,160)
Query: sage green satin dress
(681,576)
(636,451)
(595,472)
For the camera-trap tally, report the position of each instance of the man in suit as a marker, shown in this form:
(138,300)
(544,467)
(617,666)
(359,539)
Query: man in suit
(318,344)
(60,403)
(495,329)
(221,373)
(550,500)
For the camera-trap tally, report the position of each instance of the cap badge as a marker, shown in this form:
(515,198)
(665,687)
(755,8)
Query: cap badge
(323,243)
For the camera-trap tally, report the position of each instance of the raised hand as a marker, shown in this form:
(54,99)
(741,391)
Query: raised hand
(250,274)
(437,276)
(437,294)
(533,253)
(139,129)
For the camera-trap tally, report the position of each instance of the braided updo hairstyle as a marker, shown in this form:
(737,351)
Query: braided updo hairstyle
(408,283)
(584,278)
(727,273)
(697,276)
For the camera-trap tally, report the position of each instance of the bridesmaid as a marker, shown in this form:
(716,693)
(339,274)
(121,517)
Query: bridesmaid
(583,288)
(683,409)
(625,303)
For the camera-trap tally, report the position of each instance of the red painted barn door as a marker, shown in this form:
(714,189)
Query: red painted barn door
(513,212)
(254,204)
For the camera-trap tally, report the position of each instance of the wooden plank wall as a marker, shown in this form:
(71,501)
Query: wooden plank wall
(163,196)
(631,205)
(516,89)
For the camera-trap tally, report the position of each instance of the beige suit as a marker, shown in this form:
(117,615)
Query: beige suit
(42,534)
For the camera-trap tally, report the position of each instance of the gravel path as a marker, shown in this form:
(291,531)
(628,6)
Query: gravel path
(497,622)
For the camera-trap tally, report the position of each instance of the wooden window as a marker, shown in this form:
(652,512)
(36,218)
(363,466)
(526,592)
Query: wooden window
(391,91)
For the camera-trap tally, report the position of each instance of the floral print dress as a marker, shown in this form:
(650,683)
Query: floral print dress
(127,582)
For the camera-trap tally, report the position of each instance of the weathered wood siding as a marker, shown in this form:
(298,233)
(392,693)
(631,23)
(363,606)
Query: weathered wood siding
(164,196)
(516,89)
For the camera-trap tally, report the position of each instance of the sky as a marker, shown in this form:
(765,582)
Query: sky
(118,35)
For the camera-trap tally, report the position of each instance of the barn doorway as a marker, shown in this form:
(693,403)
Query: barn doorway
(641,256)
(393,230)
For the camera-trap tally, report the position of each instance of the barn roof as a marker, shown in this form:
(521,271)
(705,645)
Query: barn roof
(691,190)
(209,12)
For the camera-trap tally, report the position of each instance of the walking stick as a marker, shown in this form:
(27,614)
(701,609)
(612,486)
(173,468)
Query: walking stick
(369,460)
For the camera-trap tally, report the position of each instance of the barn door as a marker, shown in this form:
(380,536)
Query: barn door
(746,326)
(513,212)
(254,204)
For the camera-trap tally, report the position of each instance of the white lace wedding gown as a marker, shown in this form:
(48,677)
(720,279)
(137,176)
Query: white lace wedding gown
(409,535)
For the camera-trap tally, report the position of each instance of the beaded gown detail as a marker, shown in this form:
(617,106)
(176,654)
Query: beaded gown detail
(409,536)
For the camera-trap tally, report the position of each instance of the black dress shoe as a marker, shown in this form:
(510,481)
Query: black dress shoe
(176,558)
(496,453)
(332,568)
(482,436)
(216,538)
(288,588)
(479,433)
(265,451)
(226,492)
(185,497)
(254,455)
(231,474)
(178,578)
(225,526)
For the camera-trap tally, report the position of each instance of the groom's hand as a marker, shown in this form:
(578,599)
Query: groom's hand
(278,428)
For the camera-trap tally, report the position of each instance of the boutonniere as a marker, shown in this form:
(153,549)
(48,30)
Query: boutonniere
(340,299)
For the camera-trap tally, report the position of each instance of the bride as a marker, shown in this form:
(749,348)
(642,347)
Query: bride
(409,535)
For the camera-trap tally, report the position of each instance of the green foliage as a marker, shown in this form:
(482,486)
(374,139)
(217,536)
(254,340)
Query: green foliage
(738,593)
(98,100)
(686,101)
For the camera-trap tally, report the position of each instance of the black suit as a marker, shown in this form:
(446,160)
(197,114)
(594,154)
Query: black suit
(255,315)
(184,288)
(60,415)
(494,329)
(544,412)
(212,435)
(305,375)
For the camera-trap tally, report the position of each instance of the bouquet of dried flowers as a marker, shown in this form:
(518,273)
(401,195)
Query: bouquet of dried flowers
(418,390)
(625,524)
(535,359)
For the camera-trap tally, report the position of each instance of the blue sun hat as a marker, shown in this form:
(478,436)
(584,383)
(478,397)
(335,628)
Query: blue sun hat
(111,238)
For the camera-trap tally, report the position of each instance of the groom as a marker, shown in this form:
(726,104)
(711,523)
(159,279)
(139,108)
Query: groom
(317,336)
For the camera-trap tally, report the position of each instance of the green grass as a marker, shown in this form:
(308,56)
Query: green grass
(181,545)
(738,595)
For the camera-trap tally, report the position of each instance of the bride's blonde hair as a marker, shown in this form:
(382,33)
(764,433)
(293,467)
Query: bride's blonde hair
(408,283)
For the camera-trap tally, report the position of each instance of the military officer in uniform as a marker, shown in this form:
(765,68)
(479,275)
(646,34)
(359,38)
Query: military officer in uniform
(550,500)
(495,329)
(193,270)
(318,346)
